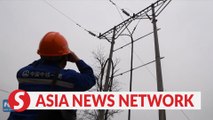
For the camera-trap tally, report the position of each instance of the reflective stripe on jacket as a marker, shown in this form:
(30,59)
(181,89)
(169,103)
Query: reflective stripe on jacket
(40,75)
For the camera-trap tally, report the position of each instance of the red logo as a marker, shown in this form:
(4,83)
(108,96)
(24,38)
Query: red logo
(19,100)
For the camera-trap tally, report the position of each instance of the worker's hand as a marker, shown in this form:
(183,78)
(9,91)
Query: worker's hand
(72,57)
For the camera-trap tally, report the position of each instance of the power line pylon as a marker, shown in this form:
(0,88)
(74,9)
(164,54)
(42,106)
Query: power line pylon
(112,34)
(161,113)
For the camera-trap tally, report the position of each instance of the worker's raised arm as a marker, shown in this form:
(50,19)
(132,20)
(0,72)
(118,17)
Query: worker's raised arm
(85,79)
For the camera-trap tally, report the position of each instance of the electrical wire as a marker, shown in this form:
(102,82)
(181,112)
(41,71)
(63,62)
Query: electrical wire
(134,41)
(150,72)
(163,7)
(136,68)
(187,117)
(5,91)
(132,51)
(117,8)
(69,18)
(93,34)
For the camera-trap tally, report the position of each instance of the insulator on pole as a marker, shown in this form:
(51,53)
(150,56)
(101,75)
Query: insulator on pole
(125,12)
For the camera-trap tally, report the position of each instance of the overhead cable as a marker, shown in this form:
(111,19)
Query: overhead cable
(69,18)
(5,91)
(136,68)
(187,117)
(126,13)
(135,40)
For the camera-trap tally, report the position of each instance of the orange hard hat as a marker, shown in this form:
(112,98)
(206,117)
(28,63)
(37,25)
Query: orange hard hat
(53,44)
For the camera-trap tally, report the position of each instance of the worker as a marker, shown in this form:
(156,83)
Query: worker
(48,74)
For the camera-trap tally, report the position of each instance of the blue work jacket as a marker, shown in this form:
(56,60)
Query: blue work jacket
(39,76)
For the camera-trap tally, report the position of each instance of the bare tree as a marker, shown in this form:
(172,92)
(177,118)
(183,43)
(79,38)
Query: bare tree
(99,70)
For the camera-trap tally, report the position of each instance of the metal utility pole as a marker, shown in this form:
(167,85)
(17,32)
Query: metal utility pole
(162,113)
(106,85)
(131,72)
(117,30)
(101,113)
